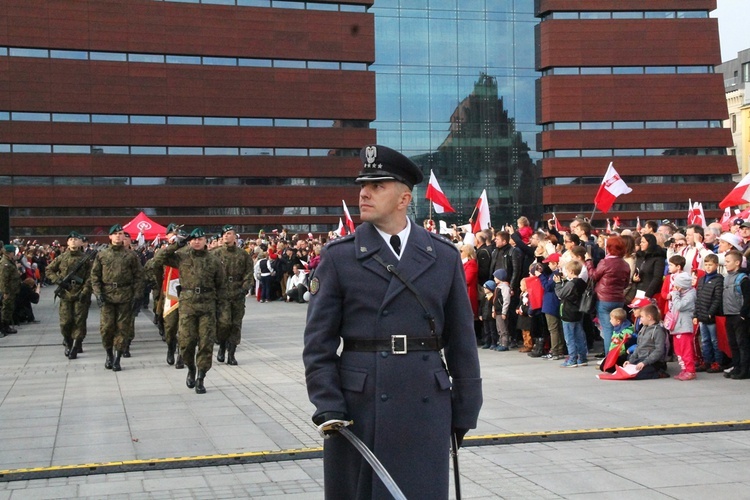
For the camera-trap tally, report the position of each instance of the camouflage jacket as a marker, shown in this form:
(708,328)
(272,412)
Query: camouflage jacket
(117,275)
(64,264)
(238,270)
(201,274)
(10,279)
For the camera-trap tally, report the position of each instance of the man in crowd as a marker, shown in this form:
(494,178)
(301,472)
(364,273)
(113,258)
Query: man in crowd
(10,285)
(117,282)
(238,274)
(75,298)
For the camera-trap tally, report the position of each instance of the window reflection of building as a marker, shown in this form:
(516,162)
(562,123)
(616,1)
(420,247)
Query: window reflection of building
(483,150)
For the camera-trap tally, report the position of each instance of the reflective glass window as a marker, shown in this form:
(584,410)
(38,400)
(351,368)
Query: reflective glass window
(148,150)
(4,148)
(257,63)
(352,8)
(222,151)
(660,15)
(181,150)
(565,71)
(18,52)
(183,59)
(565,15)
(3,51)
(281,63)
(627,70)
(148,119)
(628,152)
(321,6)
(148,181)
(320,152)
(32,148)
(219,120)
(254,3)
(4,116)
(22,180)
(289,122)
(80,55)
(693,69)
(596,71)
(184,120)
(108,56)
(596,125)
(692,14)
(30,117)
(256,151)
(71,117)
(287,5)
(110,150)
(627,15)
(348,66)
(72,181)
(567,126)
(596,152)
(109,118)
(72,149)
(291,152)
(628,125)
(323,65)
(567,153)
(256,122)
(218,2)
(321,123)
(220,61)
(146,58)
(661,124)
(660,70)
(595,15)
(110,181)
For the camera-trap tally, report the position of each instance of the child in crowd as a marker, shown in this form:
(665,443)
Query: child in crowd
(539,332)
(650,351)
(489,329)
(525,314)
(682,304)
(675,264)
(623,337)
(707,305)
(736,306)
(551,306)
(569,292)
(500,307)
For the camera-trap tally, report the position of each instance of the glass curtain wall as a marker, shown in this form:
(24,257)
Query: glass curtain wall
(456,93)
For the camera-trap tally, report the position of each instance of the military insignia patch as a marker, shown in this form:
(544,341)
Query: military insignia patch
(314,286)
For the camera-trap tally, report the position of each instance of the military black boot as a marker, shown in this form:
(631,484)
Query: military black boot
(110,356)
(178,363)
(230,356)
(68,344)
(80,346)
(222,350)
(74,350)
(126,351)
(9,329)
(170,353)
(190,380)
(199,388)
(116,364)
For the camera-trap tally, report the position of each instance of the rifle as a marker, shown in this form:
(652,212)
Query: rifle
(71,276)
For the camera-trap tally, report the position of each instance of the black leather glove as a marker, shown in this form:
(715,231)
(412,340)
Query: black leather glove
(460,433)
(65,285)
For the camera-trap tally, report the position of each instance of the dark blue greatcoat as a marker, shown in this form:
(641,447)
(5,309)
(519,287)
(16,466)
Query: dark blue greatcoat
(402,405)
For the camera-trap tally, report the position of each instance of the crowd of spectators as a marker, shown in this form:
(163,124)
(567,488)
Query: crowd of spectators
(571,288)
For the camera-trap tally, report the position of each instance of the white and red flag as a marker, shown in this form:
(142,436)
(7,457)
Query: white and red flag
(341,230)
(726,219)
(482,211)
(348,218)
(558,227)
(437,197)
(695,214)
(609,227)
(638,224)
(612,186)
(739,195)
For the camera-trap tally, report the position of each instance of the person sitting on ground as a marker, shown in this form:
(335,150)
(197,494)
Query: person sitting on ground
(650,352)
(27,295)
(296,285)
(623,337)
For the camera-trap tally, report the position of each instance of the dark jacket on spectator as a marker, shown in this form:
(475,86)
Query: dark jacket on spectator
(650,267)
(510,259)
(612,276)
(569,293)
(708,301)
(550,302)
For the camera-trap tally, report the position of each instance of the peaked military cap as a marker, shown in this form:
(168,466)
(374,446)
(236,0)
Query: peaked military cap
(75,234)
(380,163)
(114,229)
(196,233)
(226,229)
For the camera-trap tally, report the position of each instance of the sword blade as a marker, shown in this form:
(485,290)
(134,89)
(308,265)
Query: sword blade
(379,469)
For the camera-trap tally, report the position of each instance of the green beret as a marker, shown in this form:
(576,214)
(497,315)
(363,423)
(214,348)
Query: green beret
(171,227)
(10,248)
(196,233)
(75,234)
(114,229)
(226,229)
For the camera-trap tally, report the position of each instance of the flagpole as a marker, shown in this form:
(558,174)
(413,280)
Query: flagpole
(592,214)
(471,217)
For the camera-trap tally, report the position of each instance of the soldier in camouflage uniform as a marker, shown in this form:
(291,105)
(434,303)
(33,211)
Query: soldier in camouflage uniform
(201,284)
(137,301)
(238,272)
(10,284)
(75,299)
(117,282)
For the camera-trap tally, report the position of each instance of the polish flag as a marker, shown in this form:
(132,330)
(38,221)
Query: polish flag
(612,186)
(482,218)
(348,218)
(341,230)
(696,214)
(609,227)
(638,224)
(437,197)
(558,227)
(739,195)
(726,219)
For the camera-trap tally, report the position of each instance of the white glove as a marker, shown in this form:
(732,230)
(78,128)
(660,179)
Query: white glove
(329,426)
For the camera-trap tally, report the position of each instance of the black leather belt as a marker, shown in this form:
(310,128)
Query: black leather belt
(397,344)
(198,290)
(117,285)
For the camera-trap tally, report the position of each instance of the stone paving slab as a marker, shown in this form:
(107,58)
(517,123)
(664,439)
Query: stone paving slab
(59,412)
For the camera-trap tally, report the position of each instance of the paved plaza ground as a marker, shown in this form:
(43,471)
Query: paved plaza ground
(55,412)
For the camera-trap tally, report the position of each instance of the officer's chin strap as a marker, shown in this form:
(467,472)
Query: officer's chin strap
(367,454)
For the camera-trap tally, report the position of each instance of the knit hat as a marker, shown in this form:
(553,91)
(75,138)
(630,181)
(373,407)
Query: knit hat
(682,280)
(490,285)
(501,274)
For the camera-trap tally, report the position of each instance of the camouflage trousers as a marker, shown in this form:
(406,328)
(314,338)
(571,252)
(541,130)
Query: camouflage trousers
(9,305)
(231,313)
(115,325)
(196,336)
(171,324)
(73,316)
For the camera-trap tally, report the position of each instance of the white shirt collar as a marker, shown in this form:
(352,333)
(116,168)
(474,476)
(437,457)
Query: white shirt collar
(403,236)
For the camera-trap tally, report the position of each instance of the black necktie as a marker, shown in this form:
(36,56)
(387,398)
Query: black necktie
(396,244)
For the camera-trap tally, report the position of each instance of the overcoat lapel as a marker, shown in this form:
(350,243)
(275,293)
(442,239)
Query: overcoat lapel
(418,256)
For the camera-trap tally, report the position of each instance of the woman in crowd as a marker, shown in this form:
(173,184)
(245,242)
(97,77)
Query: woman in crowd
(611,276)
(471,270)
(649,267)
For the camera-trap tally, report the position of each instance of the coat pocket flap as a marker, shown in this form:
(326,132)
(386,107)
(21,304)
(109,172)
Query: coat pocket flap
(443,380)
(352,380)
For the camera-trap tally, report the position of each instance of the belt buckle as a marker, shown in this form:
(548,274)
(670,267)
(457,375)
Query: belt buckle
(113,285)
(197,290)
(398,344)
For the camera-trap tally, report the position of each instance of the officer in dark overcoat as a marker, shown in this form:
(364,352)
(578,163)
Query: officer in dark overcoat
(390,380)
